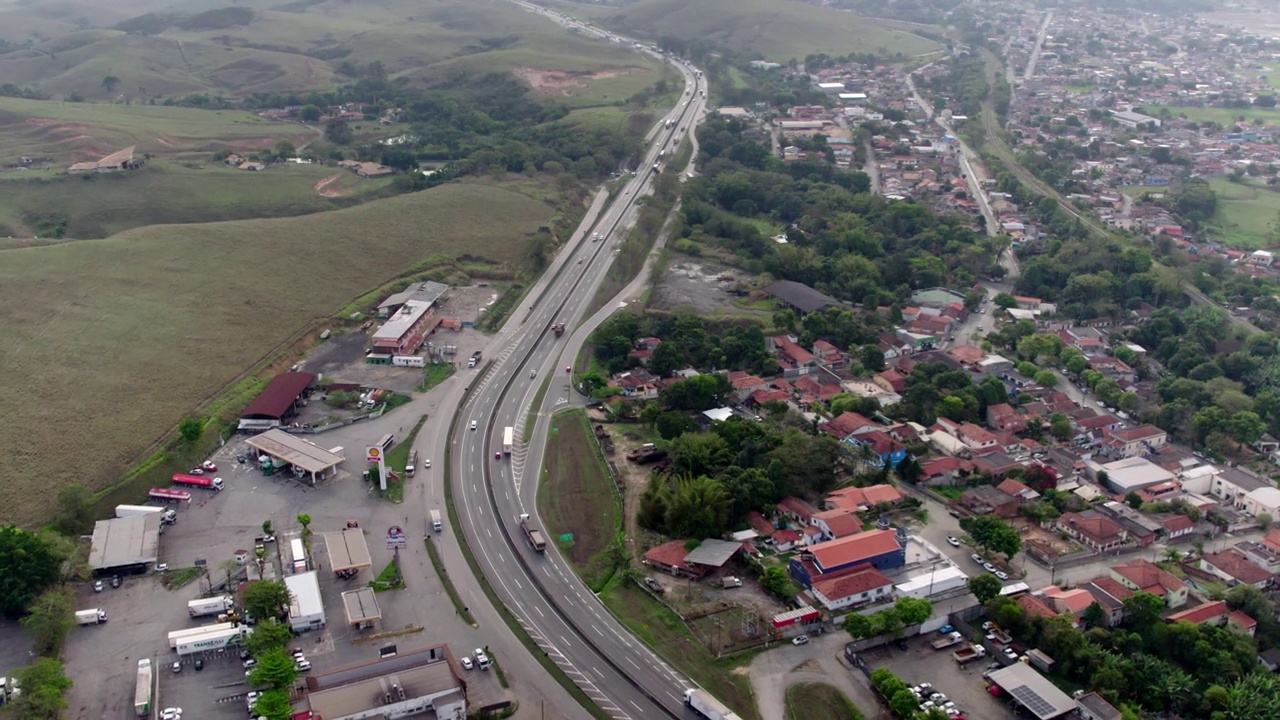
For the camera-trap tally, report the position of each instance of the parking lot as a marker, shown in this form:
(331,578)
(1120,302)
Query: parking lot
(920,663)
(102,659)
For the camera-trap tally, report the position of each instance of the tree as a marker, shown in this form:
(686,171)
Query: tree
(1093,615)
(666,359)
(191,429)
(904,703)
(267,528)
(671,425)
(309,113)
(1247,427)
(872,358)
(857,625)
(1060,426)
(267,635)
(1004,301)
(28,565)
(985,586)
(338,132)
(267,599)
(305,521)
(49,618)
(1133,500)
(273,705)
(1264,520)
(75,511)
(913,611)
(285,149)
(276,667)
(1142,610)
(44,683)
(697,508)
(776,581)
(992,533)
(1046,378)
(110,83)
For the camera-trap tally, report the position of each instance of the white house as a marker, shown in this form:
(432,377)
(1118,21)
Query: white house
(1262,500)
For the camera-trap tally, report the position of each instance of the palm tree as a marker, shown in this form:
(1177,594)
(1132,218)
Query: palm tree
(305,521)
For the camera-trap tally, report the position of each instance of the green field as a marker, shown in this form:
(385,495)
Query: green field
(63,133)
(1223,116)
(819,701)
(778,29)
(1247,214)
(577,498)
(95,206)
(117,339)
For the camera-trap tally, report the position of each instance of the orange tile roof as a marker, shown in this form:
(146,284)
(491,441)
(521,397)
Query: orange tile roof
(863,546)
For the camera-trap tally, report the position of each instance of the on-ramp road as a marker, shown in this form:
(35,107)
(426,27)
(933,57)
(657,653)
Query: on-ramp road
(569,624)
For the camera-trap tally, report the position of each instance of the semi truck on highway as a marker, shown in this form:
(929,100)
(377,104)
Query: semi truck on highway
(533,534)
(94,616)
(169,495)
(508,440)
(142,694)
(209,606)
(198,481)
(168,517)
(707,706)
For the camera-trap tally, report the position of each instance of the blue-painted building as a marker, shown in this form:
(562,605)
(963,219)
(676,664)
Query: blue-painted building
(883,549)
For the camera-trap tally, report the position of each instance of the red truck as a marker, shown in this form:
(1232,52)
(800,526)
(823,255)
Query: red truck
(169,495)
(200,481)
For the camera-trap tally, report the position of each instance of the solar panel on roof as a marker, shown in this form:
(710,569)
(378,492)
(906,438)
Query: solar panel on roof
(1032,701)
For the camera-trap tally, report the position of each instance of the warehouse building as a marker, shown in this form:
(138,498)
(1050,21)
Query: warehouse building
(426,292)
(404,332)
(418,682)
(309,461)
(278,402)
(306,612)
(125,546)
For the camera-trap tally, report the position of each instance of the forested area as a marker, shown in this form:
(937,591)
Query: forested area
(841,239)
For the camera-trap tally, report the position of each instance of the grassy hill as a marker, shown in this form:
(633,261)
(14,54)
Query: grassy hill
(108,343)
(779,29)
(236,48)
(96,206)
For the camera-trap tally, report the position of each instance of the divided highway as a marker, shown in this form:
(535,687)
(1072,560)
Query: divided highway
(490,493)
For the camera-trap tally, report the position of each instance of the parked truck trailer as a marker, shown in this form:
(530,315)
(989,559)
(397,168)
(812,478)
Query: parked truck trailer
(142,692)
(214,640)
(209,606)
(167,516)
(178,636)
(169,495)
(198,481)
(707,706)
(92,616)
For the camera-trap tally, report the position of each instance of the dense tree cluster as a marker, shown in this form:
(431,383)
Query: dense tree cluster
(843,240)
(688,340)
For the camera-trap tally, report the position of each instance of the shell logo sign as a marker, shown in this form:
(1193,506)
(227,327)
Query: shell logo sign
(373,454)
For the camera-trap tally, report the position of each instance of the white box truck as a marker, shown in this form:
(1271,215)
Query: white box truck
(209,606)
(93,616)
(436,524)
(167,516)
(707,706)
(142,693)
(508,440)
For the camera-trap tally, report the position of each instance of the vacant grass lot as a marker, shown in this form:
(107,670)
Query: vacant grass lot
(577,497)
(819,701)
(65,133)
(1247,214)
(1224,116)
(662,630)
(108,343)
(780,30)
(96,206)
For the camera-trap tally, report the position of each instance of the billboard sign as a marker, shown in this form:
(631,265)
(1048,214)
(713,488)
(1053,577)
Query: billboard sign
(396,539)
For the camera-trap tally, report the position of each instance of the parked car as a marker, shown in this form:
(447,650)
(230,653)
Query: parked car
(115,581)
(173,713)
(303,666)
(953,542)
(177,666)
(250,663)
(988,567)
(466,663)
(199,664)
(977,558)
(800,640)
(946,630)
(1009,653)
(97,586)
(1002,575)
(208,466)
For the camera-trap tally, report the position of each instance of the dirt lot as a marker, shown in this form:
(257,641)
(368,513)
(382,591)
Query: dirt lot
(1032,532)
(921,663)
(689,282)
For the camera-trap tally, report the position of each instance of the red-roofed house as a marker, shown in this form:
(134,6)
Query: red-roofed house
(797,509)
(1236,569)
(837,524)
(944,470)
(849,423)
(881,548)
(786,539)
(855,499)
(1034,606)
(1136,441)
(1145,576)
(857,586)
(1073,602)
(1017,489)
(745,383)
(1176,525)
(1110,596)
(967,355)
(1096,532)
(760,397)
(763,527)
(828,354)
(1272,540)
(978,439)
(1004,417)
(1242,622)
(790,355)
(1211,613)
(891,380)
(669,557)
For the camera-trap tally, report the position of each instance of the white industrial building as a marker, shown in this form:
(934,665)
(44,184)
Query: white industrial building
(935,582)
(306,611)
(1262,500)
(1128,475)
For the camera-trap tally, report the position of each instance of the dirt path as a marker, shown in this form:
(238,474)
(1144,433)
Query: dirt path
(322,188)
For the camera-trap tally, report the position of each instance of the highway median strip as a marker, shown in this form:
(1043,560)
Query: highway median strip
(463,611)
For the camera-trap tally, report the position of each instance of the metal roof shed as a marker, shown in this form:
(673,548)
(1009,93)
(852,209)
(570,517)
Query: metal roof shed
(713,553)
(347,550)
(361,607)
(309,457)
(1032,691)
(306,612)
(124,542)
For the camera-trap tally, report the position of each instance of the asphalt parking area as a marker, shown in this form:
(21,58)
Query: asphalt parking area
(920,663)
(217,691)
